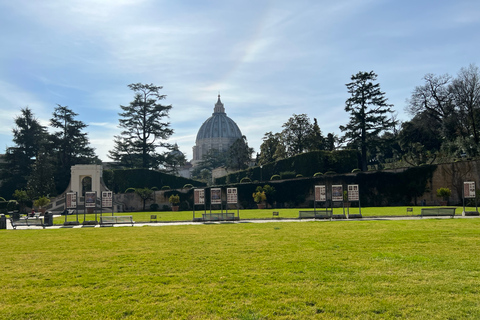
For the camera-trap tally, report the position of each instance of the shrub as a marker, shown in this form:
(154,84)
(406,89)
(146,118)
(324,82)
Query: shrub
(287,174)
(12,205)
(188,186)
(2,199)
(245,180)
(356,170)
(444,193)
(275,177)
(259,196)
(318,174)
(165,208)
(154,207)
(330,172)
(41,202)
(299,176)
(165,188)
(154,188)
(130,190)
(174,199)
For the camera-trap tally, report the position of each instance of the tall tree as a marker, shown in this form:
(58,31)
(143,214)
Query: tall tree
(369,113)
(297,134)
(143,127)
(316,140)
(466,92)
(41,182)
(30,138)
(272,148)
(173,160)
(239,154)
(436,99)
(70,144)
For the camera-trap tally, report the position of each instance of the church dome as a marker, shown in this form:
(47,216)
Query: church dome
(217,132)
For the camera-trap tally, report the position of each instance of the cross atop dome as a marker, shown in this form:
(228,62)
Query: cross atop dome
(219,106)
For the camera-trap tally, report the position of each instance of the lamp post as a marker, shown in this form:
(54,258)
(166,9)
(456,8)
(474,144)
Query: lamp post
(261,177)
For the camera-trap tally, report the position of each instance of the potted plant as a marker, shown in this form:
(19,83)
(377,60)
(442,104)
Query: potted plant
(41,203)
(174,201)
(444,193)
(259,197)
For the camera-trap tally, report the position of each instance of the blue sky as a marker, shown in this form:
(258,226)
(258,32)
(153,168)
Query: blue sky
(268,59)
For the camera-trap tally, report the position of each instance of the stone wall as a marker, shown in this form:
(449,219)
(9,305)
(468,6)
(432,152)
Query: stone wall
(452,176)
(132,202)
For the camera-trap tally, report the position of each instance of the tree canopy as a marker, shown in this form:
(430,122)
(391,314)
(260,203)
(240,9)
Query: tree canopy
(370,114)
(144,128)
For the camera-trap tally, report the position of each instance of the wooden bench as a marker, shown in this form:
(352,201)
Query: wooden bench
(275,214)
(218,216)
(27,222)
(324,214)
(409,210)
(438,212)
(153,218)
(111,220)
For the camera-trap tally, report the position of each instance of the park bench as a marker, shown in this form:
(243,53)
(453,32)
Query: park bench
(471,213)
(153,218)
(324,214)
(275,214)
(355,216)
(409,210)
(227,216)
(27,222)
(438,212)
(111,220)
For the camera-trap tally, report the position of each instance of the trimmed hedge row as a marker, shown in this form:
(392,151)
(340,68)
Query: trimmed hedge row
(121,180)
(306,164)
(379,188)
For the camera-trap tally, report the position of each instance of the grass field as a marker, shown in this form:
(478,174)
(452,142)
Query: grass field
(255,214)
(417,269)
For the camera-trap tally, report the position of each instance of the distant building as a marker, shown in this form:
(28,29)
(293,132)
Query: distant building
(217,132)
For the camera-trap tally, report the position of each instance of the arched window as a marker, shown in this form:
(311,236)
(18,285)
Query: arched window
(86,185)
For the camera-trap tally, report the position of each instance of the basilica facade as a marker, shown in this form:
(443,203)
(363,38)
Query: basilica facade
(217,132)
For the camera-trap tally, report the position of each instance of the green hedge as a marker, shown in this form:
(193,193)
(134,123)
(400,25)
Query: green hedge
(376,188)
(120,180)
(306,164)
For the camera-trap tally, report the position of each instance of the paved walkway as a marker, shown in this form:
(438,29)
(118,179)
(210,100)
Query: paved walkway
(180,223)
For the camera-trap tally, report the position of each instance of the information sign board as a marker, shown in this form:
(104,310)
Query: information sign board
(469,189)
(353,194)
(337,193)
(71,200)
(216,196)
(90,198)
(107,199)
(320,193)
(232,196)
(199,196)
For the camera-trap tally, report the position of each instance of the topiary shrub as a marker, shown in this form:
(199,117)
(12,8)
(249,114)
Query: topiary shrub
(154,188)
(12,205)
(287,174)
(245,180)
(188,186)
(356,170)
(299,176)
(165,188)
(130,190)
(2,199)
(154,207)
(318,174)
(275,177)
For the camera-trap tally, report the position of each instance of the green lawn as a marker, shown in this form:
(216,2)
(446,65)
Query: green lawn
(417,269)
(256,214)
